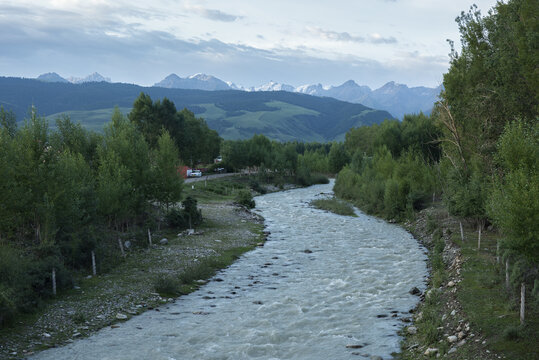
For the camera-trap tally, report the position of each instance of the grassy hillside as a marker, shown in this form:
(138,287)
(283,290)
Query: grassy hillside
(234,114)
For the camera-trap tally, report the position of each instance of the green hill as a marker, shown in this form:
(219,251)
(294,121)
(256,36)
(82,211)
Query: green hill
(234,114)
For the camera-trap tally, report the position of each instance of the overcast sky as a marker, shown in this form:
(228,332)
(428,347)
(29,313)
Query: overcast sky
(248,42)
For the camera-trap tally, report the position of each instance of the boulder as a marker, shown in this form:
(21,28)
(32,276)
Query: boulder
(163,241)
(431,351)
(412,330)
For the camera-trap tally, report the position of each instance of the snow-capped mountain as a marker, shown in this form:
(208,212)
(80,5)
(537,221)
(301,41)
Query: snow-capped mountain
(51,77)
(197,81)
(94,77)
(54,77)
(274,86)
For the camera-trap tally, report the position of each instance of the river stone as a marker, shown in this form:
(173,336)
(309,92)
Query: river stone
(354,346)
(452,350)
(461,335)
(120,316)
(376,357)
(412,330)
(431,351)
(451,339)
(414,291)
(163,241)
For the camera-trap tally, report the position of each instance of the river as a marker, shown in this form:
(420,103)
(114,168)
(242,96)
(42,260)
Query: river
(321,282)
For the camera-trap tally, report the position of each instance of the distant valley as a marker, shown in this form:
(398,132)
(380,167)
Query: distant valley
(280,115)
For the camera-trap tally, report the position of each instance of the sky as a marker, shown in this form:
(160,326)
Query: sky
(248,42)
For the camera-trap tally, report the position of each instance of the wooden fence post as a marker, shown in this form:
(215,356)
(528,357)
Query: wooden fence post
(94,272)
(54,281)
(121,247)
(522,302)
(479,239)
(461,232)
(507,274)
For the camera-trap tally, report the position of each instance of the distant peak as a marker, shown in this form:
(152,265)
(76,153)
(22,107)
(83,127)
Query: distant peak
(349,83)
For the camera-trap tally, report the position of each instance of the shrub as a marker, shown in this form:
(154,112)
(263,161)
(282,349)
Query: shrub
(190,215)
(319,179)
(167,285)
(255,185)
(245,198)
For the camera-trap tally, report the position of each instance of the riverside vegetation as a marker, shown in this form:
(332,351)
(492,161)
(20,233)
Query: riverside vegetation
(478,155)
(72,200)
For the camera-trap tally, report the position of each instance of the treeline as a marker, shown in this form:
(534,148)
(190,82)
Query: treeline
(66,193)
(479,150)
(301,163)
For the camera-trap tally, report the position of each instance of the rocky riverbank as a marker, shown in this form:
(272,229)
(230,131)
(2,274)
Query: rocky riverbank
(441,328)
(130,288)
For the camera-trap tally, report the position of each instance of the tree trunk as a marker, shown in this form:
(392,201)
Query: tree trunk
(121,247)
(461,232)
(149,237)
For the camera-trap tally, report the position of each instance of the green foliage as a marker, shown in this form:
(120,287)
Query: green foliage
(514,201)
(185,218)
(335,206)
(245,198)
(167,285)
(338,158)
(167,182)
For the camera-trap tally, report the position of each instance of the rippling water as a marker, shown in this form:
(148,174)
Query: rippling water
(321,282)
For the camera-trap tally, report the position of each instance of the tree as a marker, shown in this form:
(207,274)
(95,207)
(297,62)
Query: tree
(514,202)
(166,178)
(338,157)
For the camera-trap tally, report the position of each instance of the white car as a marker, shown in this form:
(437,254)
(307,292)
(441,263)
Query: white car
(196,173)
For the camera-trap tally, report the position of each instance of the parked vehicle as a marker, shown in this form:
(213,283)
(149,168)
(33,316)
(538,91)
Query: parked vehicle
(195,173)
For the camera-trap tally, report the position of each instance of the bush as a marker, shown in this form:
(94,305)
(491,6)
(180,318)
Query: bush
(167,285)
(319,179)
(245,198)
(183,218)
(255,185)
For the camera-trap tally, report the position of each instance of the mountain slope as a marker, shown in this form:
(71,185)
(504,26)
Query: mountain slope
(234,114)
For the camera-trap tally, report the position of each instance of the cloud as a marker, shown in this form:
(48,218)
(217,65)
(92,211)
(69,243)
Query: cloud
(212,14)
(379,39)
(346,37)
(333,35)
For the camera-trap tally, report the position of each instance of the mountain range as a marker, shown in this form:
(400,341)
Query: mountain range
(234,114)
(397,99)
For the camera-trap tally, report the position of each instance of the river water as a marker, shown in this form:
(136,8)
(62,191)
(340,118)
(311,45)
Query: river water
(321,282)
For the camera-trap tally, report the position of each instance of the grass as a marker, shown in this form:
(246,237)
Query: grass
(334,205)
(491,310)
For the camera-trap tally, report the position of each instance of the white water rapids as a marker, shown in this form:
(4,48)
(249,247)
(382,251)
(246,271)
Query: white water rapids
(351,287)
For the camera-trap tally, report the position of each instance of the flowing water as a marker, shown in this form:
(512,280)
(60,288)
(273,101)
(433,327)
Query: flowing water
(321,282)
